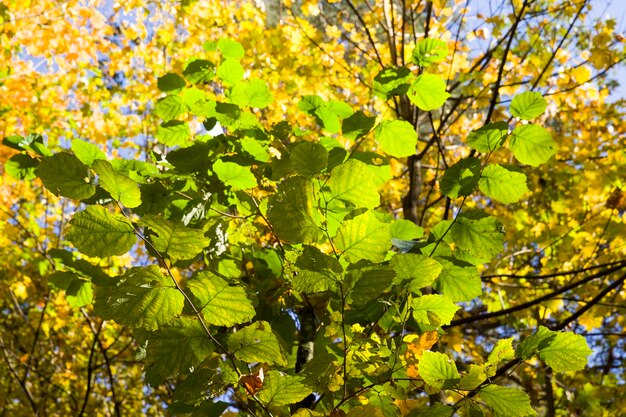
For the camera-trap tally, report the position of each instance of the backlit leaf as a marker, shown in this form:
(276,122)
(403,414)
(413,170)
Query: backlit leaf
(169,107)
(396,137)
(282,389)
(507,402)
(460,179)
(221,304)
(439,305)
(251,93)
(121,188)
(174,239)
(256,343)
(21,167)
(363,237)
(309,158)
(174,133)
(566,352)
(488,138)
(428,51)
(459,283)
(428,92)
(532,144)
(143,298)
(234,175)
(63,174)
(480,238)
(438,370)
(502,184)
(293,213)
(87,152)
(96,232)
(528,105)
(353,182)
(177,347)
(421,271)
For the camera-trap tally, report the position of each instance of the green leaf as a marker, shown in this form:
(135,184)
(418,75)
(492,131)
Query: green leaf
(170,82)
(438,370)
(121,188)
(396,137)
(363,237)
(440,306)
(256,343)
(78,291)
(169,107)
(230,71)
(317,272)
(353,182)
(255,148)
(198,103)
(21,167)
(328,114)
(528,105)
(297,197)
(96,232)
(234,175)
(174,239)
(357,125)
(281,389)
(457,282)
(143,298)
(230,48)
(87,152)
(532,144)
(461,178)
(32,142)
(370,284)
(175,348)
(502,184)
(473,378)
(488,138)
(309,159)
(532,344)
(428,92)
(420,270)
(428,51)
(502,351)
(63,174)
(566,352)
(507,402)
(405,230)
(481,239)
(221,304)
(252,93)
(391,82)
(174,133)
(199,71)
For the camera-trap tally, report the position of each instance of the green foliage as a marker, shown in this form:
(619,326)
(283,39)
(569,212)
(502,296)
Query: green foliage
(428,51)
(428,92)
(253,240)
(96,232)
(532,144)
(438,370)
(528,105)
(221,303)
(63,174)
(507,402)
(143,298)
(396,137)
(502,184)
